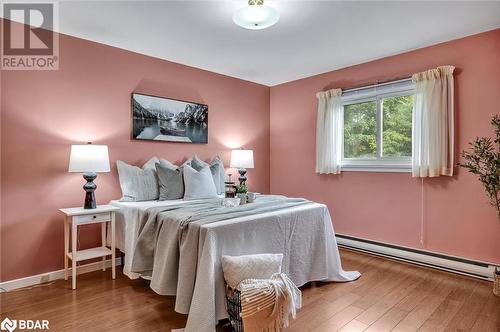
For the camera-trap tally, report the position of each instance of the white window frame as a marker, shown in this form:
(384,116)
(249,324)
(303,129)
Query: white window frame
(379,163)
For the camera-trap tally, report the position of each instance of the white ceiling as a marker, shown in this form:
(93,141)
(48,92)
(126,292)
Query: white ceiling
(311,37)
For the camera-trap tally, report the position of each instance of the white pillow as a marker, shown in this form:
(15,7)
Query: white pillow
(216,167)
(151,163)
(138,184)
(198,185)
(261,266)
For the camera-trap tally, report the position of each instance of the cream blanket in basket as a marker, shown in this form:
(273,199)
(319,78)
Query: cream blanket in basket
(267,304)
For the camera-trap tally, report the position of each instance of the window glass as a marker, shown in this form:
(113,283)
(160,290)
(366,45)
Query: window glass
(397,120)
(360,130)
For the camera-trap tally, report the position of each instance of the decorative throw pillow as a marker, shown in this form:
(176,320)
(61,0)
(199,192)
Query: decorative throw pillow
(219,174)
(151,163)
(198,185)
(138,184)
(216,167)
(196,163)
(166,163)
(170,182)
(261,266)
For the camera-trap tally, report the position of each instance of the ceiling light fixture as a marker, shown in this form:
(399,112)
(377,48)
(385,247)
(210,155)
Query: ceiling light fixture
(256,16)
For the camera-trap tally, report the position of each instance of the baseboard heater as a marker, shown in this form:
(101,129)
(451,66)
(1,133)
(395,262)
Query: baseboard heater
(476,269)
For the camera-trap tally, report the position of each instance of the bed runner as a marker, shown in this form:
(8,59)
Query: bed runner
(187,218)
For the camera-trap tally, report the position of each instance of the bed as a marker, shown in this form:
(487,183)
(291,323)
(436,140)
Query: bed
(189,266)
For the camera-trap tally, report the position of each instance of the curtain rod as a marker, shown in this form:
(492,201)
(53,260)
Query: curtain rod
(377,83)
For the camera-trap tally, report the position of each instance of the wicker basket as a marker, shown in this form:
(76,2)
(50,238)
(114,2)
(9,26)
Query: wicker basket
(496,282)
(233,306)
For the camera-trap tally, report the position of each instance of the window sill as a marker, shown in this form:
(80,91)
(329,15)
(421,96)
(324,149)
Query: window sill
(377,168)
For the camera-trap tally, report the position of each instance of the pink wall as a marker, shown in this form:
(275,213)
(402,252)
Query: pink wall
(388,206)
(88,99)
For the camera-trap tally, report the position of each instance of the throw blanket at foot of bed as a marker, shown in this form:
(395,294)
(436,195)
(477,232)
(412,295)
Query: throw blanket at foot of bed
(268,304)
(181,247)
(168,236)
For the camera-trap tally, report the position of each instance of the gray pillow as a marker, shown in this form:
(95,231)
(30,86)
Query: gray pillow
(166,163)
(170,182)
(219,174)
(200,184)
(138,184)
(196,163)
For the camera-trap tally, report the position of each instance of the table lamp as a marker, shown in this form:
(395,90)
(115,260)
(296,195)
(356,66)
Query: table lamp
(89,159)
(242,159)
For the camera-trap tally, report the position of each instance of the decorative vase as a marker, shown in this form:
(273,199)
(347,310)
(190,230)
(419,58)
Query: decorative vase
(496,282)
(243,198)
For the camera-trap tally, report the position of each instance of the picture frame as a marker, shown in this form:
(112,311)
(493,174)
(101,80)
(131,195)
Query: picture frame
(163,119)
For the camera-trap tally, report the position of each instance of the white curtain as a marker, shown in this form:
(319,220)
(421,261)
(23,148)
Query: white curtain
(329,132)
(433,122)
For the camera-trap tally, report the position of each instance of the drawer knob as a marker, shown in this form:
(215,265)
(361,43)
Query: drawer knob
(94,217)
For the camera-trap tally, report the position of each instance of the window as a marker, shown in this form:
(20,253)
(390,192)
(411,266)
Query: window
(377,128)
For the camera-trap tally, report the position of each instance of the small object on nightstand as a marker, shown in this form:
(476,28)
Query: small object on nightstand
(243,199)
(230,191)
(230,202)
(251,197)
(74,217)
(89,159)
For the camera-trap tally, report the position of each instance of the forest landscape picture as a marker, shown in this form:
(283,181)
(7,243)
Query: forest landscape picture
(170,120)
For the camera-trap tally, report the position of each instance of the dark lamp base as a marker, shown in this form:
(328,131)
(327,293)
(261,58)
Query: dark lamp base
(242,178)
(89,188)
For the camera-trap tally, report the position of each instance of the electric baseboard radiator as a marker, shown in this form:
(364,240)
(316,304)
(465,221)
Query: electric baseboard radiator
(459,265)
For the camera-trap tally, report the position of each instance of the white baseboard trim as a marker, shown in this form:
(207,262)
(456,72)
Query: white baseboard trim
(52,276)
(454,264)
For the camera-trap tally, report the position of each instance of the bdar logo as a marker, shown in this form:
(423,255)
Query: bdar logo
(8,325)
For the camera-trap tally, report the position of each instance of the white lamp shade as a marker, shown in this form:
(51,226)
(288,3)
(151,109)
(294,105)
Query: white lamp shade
(241,159)
(89,158)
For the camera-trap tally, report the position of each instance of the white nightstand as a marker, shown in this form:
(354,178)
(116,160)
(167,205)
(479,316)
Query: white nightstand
(75,217)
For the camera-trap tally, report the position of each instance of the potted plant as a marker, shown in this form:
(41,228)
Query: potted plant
(241,191)
(483,160)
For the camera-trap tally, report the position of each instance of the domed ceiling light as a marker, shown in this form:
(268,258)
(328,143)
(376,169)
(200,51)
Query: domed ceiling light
(256,16)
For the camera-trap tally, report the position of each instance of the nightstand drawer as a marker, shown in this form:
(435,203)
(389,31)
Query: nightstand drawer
(91,218)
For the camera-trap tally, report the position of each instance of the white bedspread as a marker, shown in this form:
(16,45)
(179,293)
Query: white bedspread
(304,234)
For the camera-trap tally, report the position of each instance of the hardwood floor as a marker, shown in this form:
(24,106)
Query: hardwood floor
(390,296)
